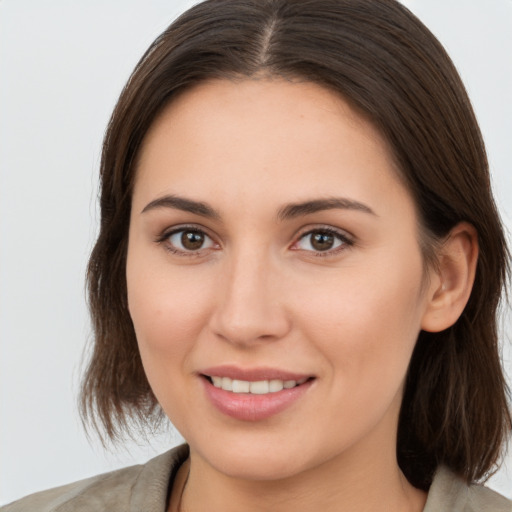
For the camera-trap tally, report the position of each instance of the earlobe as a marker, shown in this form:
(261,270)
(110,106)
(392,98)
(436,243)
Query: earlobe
(450,291)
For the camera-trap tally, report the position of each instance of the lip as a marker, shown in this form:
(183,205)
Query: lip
(253,374)
(250,407)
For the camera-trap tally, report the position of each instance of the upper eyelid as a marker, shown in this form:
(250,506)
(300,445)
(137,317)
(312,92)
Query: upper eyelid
(347,241)
(343,233)
(164,236)
(183,227)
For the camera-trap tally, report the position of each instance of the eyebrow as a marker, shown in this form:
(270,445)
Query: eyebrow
(181,203)
(289,211)
(294,210)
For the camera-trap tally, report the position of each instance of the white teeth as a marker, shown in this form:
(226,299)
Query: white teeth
(275,385)
(227,384)
(240,386)
(261,387)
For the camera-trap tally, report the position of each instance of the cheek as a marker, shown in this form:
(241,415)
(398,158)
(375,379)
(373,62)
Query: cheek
(168,311)
(366,323)
(168,307)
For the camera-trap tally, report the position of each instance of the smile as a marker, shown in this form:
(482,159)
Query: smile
(254,394)
(260,387)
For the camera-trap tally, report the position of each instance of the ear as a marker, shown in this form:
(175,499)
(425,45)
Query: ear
(452,281)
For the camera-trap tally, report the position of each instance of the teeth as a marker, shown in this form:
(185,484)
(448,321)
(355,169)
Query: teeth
(275,385)
(239,386)
(227,384)
(261,387)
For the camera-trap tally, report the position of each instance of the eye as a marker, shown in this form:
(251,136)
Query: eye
(188,240)
(322,241)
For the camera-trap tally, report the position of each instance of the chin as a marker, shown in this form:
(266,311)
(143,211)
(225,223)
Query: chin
(261,459)
(257,466)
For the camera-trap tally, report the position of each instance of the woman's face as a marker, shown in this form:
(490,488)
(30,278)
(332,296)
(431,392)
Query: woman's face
(272,249)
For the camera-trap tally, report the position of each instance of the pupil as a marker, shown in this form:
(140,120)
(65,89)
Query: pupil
(322,241)
(192,240)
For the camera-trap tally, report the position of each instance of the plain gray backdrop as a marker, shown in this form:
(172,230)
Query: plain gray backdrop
(62,66)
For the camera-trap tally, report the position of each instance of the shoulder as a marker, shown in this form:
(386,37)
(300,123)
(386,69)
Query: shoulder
(142,487)
(451,494)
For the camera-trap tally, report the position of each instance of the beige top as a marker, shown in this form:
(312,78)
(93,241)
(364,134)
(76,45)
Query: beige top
(145,488)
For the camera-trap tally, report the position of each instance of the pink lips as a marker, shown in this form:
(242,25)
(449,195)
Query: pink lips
(252,374)
(251,407)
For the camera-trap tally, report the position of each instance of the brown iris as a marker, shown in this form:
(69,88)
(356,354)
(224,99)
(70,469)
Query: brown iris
(192,240)
(322,241)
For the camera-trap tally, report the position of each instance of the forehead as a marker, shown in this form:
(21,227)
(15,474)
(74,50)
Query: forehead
(259,103)
(229,138)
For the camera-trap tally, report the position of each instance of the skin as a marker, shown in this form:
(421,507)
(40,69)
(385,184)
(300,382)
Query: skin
(258,293)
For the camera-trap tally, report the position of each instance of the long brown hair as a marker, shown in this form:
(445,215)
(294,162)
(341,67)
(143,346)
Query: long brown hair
(383,60)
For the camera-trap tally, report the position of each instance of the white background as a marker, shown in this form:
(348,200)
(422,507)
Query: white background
(62,66)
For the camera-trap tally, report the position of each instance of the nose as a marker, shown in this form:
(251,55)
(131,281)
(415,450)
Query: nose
(250,303)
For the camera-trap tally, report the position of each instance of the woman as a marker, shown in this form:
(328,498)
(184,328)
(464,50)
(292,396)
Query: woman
(299,263)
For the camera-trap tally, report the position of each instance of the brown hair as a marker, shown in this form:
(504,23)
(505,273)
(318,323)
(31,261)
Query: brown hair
(383,60)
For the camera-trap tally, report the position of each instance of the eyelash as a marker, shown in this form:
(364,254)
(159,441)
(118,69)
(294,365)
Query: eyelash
(166,235)
(343,238)
(346,241)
